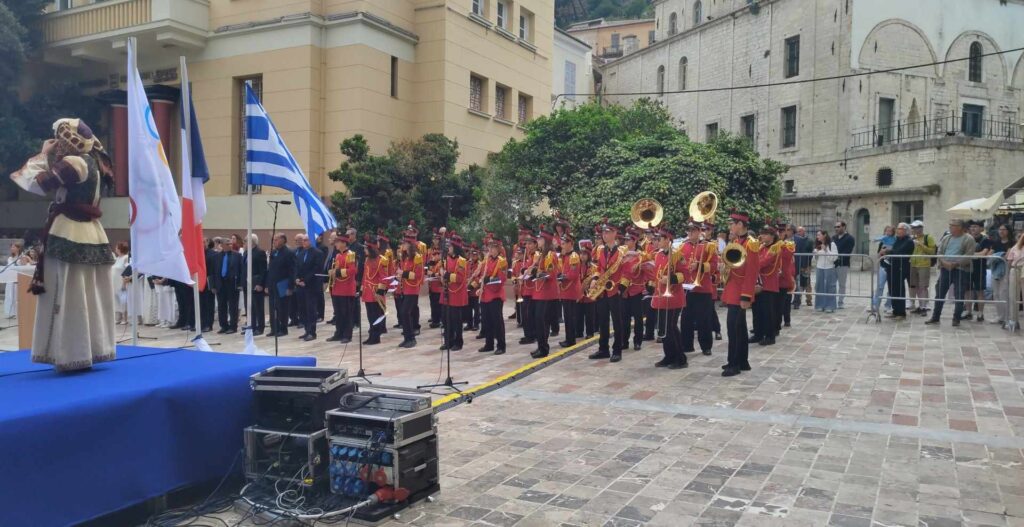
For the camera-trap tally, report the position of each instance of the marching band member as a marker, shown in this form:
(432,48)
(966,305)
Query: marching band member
(650,247)
(384,249)
(545,296)
(738,295)
(632,297)
(434,286)
(787,280)
(410,276)
(376,267)
(609,258)
(343,289)
(668,299)
(586,309)
(455,277)
(570,290)
(765,300)
(701,259)
(526,291)
(492,298)
(471,315)
(517,271)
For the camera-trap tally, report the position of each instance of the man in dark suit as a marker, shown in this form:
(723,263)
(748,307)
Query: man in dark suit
(206,296)
(279,284)
(309,284)
(256,317)
(296,309)
(329,250)
(186,305)
(227,282)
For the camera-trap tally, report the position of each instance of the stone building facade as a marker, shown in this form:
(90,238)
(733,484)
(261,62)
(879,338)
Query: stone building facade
(803,81)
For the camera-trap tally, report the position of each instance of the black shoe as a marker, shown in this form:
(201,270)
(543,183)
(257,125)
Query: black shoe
(257,332)
(331,321)
(648,337)
(303,336)
(764,342)
(718,336)
(396,326)
(554,332)
(480,336)
(567,343)
(538,354)
(208,329)
(512,316)
(485,349)
(796,306)
(636,347)
(190,328)
(706,352)
(499,351)
(525,340)
(741,368)
(754,338)
(176,326)
(730,372)
(371,342)
(308,338)
(956,322)
(333,338)
(785,324)
(443,347)
(662,363)
(677,365)
(343,341)
(408,343)
(968,316)
(931,321)
(599,355)
(457,347)
(220,331)
(615,358)
(231,331)
(434,325)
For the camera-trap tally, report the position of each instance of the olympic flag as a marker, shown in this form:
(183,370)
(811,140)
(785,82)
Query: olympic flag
(155,216)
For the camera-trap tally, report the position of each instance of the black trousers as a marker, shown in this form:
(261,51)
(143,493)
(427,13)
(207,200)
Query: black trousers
(764,314)
(586,319)
(633,319)
(296,311)
(716,325)
(308,295)
(526,318)
(373,312)
(650,319)
(572,332)
(435,309)
(320,304)
(342,316)
(736,327)
(356,312)
(408,314)
(697,314)
(471,315)
(542,323)
(453,325)
(186,306)
(279,313)
(493,324)
(257,318)
(609,311)
(207,305)
(227,308)
(784,308)
(897,288)
(670,344)
(554,315)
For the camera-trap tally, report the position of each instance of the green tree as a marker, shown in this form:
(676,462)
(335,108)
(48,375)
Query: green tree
(407,183)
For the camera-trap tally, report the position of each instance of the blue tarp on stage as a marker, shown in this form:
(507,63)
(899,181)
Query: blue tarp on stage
(81,445)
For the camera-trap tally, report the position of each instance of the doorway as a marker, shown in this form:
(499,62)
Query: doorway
(862,232)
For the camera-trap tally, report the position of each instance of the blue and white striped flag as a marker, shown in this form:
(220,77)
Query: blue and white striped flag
(269,163)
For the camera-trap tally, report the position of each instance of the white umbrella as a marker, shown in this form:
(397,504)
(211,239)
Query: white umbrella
(984,207)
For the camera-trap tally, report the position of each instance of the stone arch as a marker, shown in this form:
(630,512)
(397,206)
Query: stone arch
(1018,73)
(959,48)
(918,49)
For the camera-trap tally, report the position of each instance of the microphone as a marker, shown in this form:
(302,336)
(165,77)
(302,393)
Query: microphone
(280,202)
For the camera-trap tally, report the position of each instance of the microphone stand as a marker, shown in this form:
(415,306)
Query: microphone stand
(446,296)
(273,232)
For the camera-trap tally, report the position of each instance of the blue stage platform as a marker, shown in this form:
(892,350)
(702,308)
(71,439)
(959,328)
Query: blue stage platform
(77,446)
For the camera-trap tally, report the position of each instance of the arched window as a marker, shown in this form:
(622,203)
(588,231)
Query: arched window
(697,13)
(673,24)
(683,62)
(974,63)
(661,80)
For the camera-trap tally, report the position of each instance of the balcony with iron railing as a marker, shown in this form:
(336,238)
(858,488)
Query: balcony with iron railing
(953,125)
(612,52)
(94,30)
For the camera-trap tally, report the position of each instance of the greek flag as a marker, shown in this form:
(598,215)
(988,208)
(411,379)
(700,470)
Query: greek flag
(269,163)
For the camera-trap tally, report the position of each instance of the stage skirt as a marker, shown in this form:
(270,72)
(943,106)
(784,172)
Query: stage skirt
(74,317)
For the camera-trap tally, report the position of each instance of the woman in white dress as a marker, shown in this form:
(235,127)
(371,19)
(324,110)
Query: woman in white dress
(165,300)
(117,282)
(11,288)
(150,302)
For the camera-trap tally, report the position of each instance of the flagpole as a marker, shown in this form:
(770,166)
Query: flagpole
(248,238)
(186,101)
(135,319)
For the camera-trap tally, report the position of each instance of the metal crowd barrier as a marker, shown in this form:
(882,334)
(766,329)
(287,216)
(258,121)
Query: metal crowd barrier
(1013,317)
(837,286)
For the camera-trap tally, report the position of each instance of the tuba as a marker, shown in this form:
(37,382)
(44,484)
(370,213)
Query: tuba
(646,213)
(703,206)
(734,255)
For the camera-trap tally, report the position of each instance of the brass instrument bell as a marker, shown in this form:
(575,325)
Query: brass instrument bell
(646,213)
(703,206)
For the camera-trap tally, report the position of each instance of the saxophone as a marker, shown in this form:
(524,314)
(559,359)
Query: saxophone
(603,282)
(332,274)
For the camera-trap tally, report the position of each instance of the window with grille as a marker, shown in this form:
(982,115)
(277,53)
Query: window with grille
(256,84)
(661,80)
(974,62)
(394,77)
(478,7)
(907,211)
(711,131)
(789,186)
(698,13)
(673,23)
(502,15)
(971,119)
(788,126)
(791,63)
(650,37)
(748,127)
(500,94)
(683,63)
(525,103)
(570,80)
(883,177)
(476,93)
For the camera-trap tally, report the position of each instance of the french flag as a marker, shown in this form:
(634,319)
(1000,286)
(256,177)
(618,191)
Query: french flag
(194,174)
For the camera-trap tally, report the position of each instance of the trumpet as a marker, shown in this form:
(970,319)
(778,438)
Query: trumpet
(332,274)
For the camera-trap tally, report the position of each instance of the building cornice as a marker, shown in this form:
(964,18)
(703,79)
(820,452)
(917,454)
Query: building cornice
(310,19)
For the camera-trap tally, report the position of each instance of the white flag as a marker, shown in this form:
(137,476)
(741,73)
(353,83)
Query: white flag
(155,215)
